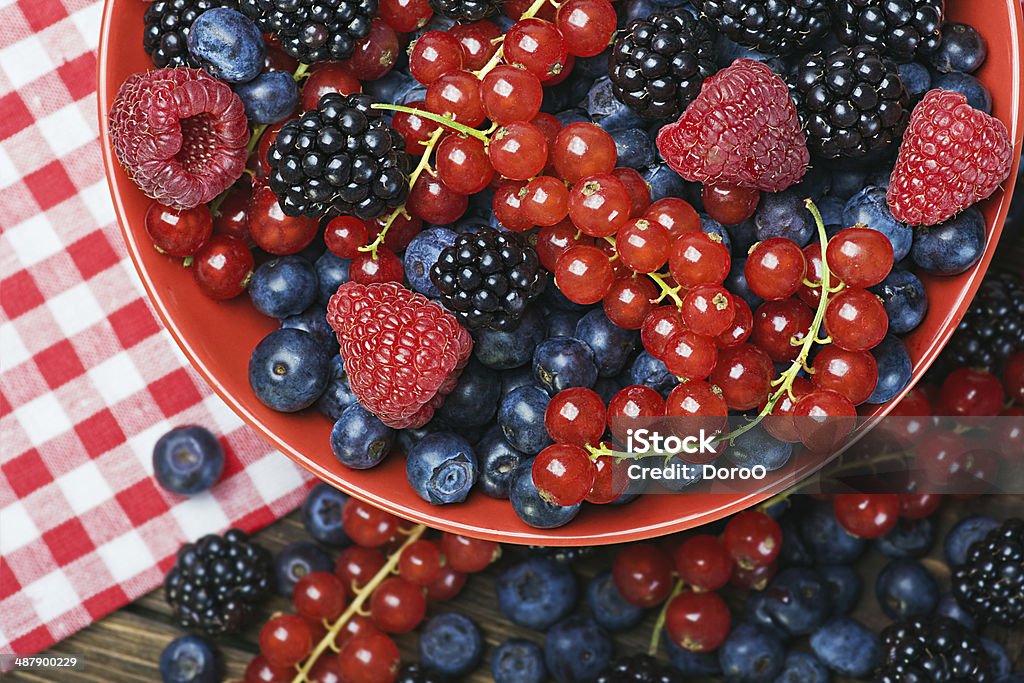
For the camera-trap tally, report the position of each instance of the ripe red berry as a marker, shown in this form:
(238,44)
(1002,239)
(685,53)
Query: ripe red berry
(856,320)
(702,406)
(366,269)
(690,356)
(469,555)
(853,374)
(536,45)
(434,54)
(780,423)
(344,235)
(584,274)
(860,256)
(435,202)
(698,622)
(824,419)
(376,54)
(586,25)
(563,474)
(775,268)
(752,538)
(642,245)
(643,574)
(811,295)
(508,206)
(575,416)
(967,392)
(728,204)
(511,94)
(272,230)
(868,515)
(356,565)
(518,150)
(222,267)
(675,215)
(319,596)
(367,525)
(610,480)
(639,191)
(285,640)
(456,94)
(583,149)
(658,327)
(397,605)
(406,16)
(743,374)
(260,670)
(553,240)
(740,329)
(421,562)
(698,259)
(1013,377)
(463,165)
(919,505)
(777,324)
(632,407)
(599,205)
(415,129)
(546,201)
(708,309)
(477,41)
(369,658)
(325,78)
(629,301)
(178,233)
(447,585)
(702,562)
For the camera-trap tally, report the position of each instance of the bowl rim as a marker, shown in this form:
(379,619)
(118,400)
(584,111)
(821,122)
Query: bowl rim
(730,503)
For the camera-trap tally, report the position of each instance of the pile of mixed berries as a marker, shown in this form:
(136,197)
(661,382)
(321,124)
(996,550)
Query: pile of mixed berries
(492,230)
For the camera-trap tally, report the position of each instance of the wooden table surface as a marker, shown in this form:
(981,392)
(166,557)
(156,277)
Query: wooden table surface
(125,646)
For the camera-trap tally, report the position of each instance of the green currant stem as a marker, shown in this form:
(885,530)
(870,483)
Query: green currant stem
(498,54)
(658,278)
(420,167)
(436,118)
(659,624)
(364,592)
(300,72)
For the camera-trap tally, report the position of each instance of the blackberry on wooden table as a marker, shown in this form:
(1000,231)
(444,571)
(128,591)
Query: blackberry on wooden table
(168,22)
(311,30)
(851,101)
(466,10)
(775,27)
(487,278)
(899,29)
(640,668)
(932,649)
(659,63)
(217,582)
(991,331)
(340,158)
(990,585)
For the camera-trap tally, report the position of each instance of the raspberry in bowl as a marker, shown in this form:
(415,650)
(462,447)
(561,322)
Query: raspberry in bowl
(606,286)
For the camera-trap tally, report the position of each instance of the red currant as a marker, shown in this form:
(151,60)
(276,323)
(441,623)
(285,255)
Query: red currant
(233,214)
(375,55)
(643,246)
(780,423)
(178,233)
(447,586)
(435,202)
(690,356)
(867,515)
(703,407)
(434,54)
(583,149)
(728,204)
(632,406)
(403,229)
(546,202)
(262,671)
(639,192)
(675,215)
(397,605)
(610,480)
(576,416)
(658,327)
(740,329)
(273,231)
(587,26)
(518,151)
(744,374)
(536,45)
(629,301)
(856,320)
(366,269)
(753,578)
(563,474)
(812,295)
(859,256)
(941,456)
(469,555)
(553,240)
(326,670)
(703,563)
(824,419)
(326,78)
(318,596)
(456,94)
(698,259)
(344,235)
(643,574)
(919,505)
(421,563)
(698,622)
(1013,377)
(478,42)
(853,374)
(369,658)
(406,16)
(777,324)
(967,392)
(415,129)
(708,309)
(599,205)
(463,165)
(367,525)
(752,538)
(584,274)
(511,94)
(222,267)
(356,565)
(775,268)
(285,640)
(508,206)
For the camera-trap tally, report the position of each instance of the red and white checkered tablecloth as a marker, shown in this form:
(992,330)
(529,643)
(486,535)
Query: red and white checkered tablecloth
(88,378)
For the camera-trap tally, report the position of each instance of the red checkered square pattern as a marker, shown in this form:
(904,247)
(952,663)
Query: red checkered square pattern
(88,377)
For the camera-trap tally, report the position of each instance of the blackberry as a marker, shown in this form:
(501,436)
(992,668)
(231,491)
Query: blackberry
(415,673)
(659,63)
(991,331)
(340,158)
(932,649)
(851,101)
(167,23)
(640,668)
(466,10)
(990,585)
(311,30)
(775,27)
(487,278)
(899,29)
(217,582)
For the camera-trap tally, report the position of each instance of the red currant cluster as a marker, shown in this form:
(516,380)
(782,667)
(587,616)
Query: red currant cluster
(694,615)
(344,621)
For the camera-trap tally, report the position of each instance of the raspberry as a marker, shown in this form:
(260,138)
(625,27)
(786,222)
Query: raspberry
(741,130)
(952,156)
(180,134)
(403,353)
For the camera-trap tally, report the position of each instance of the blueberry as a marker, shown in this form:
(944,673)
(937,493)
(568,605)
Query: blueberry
(712,227)
(894,369)
(515,378)
(521,417)
(270,97)
(564,362)
(314,321)
(561,323)
(451,644)
(530,507)
(826,538)
(831,210)
(295,561)
(612,611)
(576,649)
(784,215)
(441,468)
(191,659)
(651,372)
(607,387)
(498,463)
(611,344)
(611,114)
(844,587)
(283,286)
(868,207)
(572,115)
(962,49)
(998,659)
(288,370)
(663,181)
(696,665)
(359,439)
(338,394)
(751,654)
(393,88)
(974,90)
(636,9)
(536,592)
(742,236)
(904,588)
(409,437)
(916,78)
(553,297)
(803,667)
(951,247)
(227,44)
(635,148)
(756,447)
(793,552)
(331,272)
(795,603)
(321,515)
(188,460)
(421,254)
(736,282)
(474,400)
(904,298)
(683,478)
(506,350)
(966,533)
(909,538)
(949,607)
(518,660)
(847,647)
(847,182)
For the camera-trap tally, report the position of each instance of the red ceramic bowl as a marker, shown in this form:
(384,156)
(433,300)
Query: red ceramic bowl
(218,337)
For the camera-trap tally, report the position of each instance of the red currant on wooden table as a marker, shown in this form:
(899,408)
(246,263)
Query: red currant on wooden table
(868,515)
(469,555)
(584,274)
(285,640)
(967,392)
(369,658)
(222,267)
(698,622)
(356,565)
(643,574)
(703,563)
(699,259)
(629,301)
(575,416)
(775,268)
(752,538)
(178,233)
(563,474)
(421,562)
(447,585)
(367,525)
(260,670)
(397,605)
(318,596)
(856,320)
(728,204)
